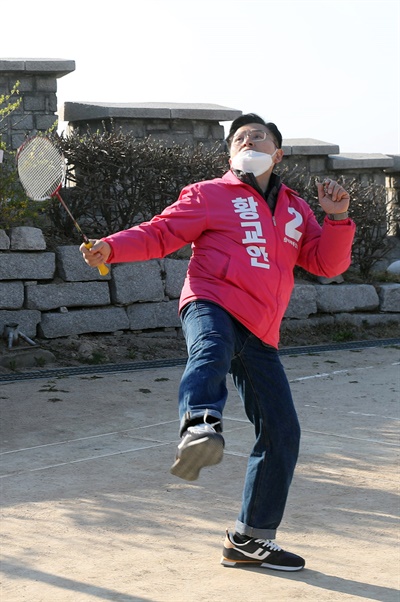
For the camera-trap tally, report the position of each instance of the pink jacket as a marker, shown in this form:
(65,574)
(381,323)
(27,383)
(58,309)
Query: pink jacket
(242,255)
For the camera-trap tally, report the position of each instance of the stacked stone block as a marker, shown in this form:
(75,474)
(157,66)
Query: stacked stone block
(55,294)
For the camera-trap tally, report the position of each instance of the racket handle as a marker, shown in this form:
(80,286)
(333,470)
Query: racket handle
(103,269)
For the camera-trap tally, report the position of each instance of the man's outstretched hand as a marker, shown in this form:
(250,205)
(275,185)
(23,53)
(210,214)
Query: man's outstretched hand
(96,255)
(332,197)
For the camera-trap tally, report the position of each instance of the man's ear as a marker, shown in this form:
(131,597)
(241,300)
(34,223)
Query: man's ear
(279,155)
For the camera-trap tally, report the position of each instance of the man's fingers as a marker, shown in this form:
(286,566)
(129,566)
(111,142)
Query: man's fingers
(92,255)
(331,189)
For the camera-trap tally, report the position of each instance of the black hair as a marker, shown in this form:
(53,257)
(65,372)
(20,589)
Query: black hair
(253,118)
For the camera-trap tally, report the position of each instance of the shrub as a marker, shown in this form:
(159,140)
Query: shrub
(13,202)
(375,215)
(376,218)
(116,181)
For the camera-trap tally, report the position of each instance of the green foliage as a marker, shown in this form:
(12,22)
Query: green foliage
(343,335)
(7,105)
(95,359)
(13,201)
(14,206)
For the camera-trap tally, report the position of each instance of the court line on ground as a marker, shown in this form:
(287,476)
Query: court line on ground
(333,373)
(87,459)
(66,441)
(164,444)
(336,372)
(339,436)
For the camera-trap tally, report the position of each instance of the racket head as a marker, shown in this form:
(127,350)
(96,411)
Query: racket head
(41,168)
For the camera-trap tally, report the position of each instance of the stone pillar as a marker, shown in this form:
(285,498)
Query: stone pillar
(393,189)
(38,90)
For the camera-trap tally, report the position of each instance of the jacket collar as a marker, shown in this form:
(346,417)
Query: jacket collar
(271,194)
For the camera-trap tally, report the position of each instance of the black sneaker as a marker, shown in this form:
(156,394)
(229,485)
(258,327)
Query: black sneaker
(260,552)
(201,446)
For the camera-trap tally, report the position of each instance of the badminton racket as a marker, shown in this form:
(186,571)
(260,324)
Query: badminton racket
(41,169)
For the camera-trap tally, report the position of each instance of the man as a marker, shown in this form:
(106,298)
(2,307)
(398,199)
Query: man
(248,231)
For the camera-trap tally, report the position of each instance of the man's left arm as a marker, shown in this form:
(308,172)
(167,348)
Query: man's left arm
(327,251)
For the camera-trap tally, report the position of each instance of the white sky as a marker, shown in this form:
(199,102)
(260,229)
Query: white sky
(324,69)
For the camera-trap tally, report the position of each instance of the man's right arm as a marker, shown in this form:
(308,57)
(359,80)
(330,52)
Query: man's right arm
(179,224)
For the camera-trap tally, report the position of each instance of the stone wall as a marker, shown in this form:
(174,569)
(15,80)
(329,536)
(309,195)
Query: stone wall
(55,294)
(170,123)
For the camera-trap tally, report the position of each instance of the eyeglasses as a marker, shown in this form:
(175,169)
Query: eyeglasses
(252,135)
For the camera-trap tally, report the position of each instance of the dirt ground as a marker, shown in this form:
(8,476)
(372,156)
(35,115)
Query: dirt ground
(91,513)
(123,347)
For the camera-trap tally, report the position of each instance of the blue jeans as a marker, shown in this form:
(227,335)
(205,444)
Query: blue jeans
(218,344)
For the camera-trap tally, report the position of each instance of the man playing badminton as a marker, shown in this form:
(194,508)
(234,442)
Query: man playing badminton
(248,231)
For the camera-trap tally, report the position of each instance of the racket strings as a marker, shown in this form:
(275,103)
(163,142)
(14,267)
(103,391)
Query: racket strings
(41,168)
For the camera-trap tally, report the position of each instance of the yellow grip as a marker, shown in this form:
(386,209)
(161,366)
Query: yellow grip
(103,269)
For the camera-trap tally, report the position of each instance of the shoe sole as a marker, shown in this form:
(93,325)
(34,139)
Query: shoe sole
(200,453)
(263,565)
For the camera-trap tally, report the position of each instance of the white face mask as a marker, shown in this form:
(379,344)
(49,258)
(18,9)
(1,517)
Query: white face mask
(251,161)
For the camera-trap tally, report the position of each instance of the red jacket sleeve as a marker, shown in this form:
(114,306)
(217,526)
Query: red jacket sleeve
(326,251)
(179,224)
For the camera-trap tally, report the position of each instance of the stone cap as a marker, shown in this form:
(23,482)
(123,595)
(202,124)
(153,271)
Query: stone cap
(360,161)
(396,165)
(308,146)
(84,111)
(58,67)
